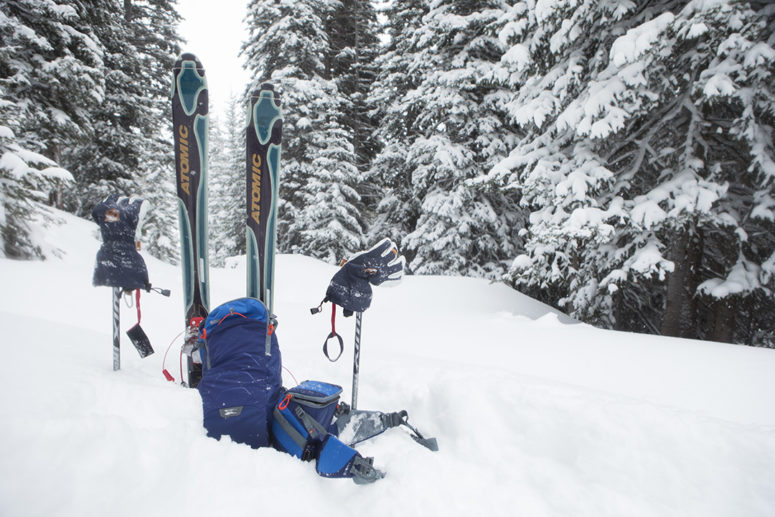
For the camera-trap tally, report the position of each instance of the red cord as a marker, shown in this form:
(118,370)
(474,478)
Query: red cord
(291,374)
(137,298)
(167,374)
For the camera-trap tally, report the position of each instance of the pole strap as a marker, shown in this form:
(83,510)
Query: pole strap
(333,334)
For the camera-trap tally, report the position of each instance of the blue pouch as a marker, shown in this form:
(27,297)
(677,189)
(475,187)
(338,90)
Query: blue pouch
(303,418)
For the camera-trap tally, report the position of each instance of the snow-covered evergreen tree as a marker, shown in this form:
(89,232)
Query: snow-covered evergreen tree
(127,153)
(555,51)
(227,184)
(401,68)
(217,186)
(27,179)
(320,214)
(736,94)
(442,126)
(647,162)
(108,161)
(155,36)
(51,72)
(353,36)
(50,75)
(50,65)
(86,85)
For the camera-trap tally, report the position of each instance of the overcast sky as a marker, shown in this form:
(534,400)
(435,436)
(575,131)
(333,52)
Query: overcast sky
(214,32)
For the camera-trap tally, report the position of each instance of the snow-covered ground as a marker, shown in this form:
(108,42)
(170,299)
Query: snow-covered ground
(534,414)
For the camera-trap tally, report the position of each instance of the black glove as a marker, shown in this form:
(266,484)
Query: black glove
(350,287)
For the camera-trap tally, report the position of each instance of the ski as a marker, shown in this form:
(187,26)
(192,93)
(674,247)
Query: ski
(263,146)
(190,124)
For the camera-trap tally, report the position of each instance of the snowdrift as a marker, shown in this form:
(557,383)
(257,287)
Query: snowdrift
(535,414)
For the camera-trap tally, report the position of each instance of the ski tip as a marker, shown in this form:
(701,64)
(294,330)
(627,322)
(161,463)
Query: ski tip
(188,56)
(189,88)
(265,90)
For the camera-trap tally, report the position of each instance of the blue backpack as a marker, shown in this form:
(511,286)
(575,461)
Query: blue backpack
(243,397)
(240,382)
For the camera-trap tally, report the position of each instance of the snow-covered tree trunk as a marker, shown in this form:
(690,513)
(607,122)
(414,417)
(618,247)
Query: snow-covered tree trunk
(680,316)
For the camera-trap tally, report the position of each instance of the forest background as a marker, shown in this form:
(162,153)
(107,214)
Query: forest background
(613,158)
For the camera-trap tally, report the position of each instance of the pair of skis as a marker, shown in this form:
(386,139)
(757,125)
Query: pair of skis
(190,109)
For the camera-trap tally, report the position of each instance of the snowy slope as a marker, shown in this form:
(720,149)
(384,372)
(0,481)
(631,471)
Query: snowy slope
(535,415)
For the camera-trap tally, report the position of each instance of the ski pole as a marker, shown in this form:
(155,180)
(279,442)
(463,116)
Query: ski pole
(116,328)
(356,358)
